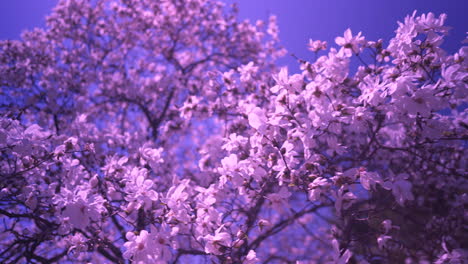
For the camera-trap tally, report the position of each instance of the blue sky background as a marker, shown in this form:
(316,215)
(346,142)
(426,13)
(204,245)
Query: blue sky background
(298,20)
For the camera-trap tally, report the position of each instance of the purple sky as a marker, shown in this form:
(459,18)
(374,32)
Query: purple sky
(299,20)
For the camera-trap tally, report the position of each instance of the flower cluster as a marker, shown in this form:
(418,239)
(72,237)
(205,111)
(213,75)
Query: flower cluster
(160,131)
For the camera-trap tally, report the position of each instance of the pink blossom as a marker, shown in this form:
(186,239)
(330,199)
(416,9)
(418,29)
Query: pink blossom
(350,43)
(317,45)
(217,243)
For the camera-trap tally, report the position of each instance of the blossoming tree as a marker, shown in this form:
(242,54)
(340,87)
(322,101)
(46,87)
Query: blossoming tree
(162,132)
